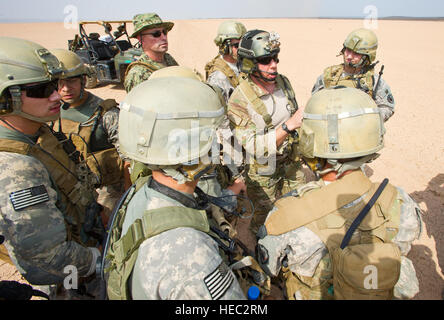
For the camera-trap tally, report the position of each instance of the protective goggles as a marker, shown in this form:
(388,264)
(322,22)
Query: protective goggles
(156,34)
(267,60)
(40,90)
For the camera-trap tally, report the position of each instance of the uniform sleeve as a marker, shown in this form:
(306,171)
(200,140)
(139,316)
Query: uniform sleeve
(217,78)
(319,84)
(257,143)
(135,76)
(110,122)
(384,99)
(183,264)
(33,226)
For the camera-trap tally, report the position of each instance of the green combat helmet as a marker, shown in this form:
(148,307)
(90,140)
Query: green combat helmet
(24,62)
(340,123)
(227,31)
(149,21)
(362,41)
(256,44)
(72,65)
(170,123)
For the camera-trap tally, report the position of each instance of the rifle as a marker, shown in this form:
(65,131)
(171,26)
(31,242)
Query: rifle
(377,83)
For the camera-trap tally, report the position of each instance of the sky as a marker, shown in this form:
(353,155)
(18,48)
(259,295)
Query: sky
(60,10)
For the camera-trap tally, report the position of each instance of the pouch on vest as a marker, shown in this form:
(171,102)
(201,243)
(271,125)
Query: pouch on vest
(366,271)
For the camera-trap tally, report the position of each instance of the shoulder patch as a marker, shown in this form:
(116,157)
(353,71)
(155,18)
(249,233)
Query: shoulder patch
(218,281)
(28,197)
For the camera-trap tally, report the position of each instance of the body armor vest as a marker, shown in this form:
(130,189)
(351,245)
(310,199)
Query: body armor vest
(363,81)
(74,183)
(329,212)
(121,251)
(219,64)
(101,157)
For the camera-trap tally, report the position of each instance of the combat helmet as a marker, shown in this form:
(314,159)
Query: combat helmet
(340,123)
(169,123)
(25,62)
(362,41)
(256,44)
(72,65)
(227,31)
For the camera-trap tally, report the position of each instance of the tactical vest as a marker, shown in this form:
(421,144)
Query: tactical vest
(104,162)
(122,251)
(363,81)
(75,187)
(259,106)
(370,245)
(219,64)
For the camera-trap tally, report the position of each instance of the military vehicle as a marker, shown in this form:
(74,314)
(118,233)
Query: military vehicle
(106,56)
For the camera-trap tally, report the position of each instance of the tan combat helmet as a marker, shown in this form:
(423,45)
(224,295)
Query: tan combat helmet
(24,62)
(256,44)
(176,71)
(72,65)
(341,123)
(227,31)
(168,121)
(362,41)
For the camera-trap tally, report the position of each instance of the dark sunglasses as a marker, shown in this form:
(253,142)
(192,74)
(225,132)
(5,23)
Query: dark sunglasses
(156,34)
(235,45)
(267,60)
(40,90)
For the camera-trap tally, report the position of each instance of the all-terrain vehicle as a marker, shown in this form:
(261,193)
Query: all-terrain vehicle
(107,56)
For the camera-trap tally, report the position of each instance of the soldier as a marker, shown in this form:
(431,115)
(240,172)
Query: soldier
(223,71)
(92,123)
(342,237)
(358,71)
(48,212)
(163,244)
(152,34)
(264,114)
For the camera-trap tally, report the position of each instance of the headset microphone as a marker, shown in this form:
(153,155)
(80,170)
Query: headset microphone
(65,105)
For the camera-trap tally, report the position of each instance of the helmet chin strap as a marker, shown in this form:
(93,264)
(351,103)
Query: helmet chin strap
(260,76)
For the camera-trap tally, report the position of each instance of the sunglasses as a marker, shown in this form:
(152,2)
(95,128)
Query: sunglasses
(156,34)
(267,60)
(40,90)
(235,45)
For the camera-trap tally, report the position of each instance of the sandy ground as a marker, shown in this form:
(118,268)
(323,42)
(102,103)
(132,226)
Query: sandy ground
(412,52)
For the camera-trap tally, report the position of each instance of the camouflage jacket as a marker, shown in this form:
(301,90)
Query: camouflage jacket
(178,264)
(35,227)
(249,127)
(303,249)
(384,97)
(139,73)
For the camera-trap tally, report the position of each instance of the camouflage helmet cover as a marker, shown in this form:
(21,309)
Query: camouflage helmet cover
(362,41)
(149,21)
(227,30)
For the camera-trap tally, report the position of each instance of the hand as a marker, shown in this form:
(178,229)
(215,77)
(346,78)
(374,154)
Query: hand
(295,121)
(238,186)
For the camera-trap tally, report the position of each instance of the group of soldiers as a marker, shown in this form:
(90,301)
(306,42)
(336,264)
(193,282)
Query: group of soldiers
(140,198)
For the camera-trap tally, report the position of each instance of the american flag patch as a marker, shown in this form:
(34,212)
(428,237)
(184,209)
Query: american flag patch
(28,197)
(219,281)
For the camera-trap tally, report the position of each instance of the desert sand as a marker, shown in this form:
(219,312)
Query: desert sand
(412,52)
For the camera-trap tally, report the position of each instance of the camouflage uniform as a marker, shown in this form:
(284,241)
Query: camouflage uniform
(105,136)
(140,73)
(220,79)
(383,98)
(303,253)
(38,241)
(265,182)
(176,264)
